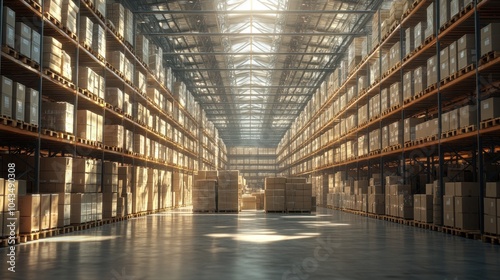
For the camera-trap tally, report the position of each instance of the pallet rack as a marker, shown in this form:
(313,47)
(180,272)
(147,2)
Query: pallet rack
(182,148)
(474,145)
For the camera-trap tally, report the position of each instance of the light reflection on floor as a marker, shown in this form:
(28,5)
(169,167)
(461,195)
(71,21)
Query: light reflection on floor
(254,245)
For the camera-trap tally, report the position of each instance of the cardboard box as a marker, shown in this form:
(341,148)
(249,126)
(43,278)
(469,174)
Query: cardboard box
(432,69)
(18,99)
(492,189)
(467,221)
(489,41)
(468,116)
(448,203)
(468,204)
(466,189)
(449,188)
(449,219)
(490,108)
(466,42)
(490,224)
(490,206)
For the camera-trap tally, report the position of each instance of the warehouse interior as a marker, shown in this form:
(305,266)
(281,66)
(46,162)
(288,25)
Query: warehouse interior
(238,139)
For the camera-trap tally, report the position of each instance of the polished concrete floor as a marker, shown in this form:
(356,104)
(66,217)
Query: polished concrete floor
(252,245)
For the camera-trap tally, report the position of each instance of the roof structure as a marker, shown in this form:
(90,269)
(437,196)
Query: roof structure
(253,64)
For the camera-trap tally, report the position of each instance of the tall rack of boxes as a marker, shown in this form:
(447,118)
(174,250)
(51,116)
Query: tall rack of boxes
(95,123)
(407,110)
(254,163)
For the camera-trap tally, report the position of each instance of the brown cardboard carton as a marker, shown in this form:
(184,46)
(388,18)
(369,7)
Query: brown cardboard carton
(467,221)
(490,224)
(490,206)
(493,189)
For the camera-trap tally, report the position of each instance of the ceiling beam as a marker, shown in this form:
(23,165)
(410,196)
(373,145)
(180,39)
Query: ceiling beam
(264,34)
(257,87)
(252,53)
(252,12)
(249,69)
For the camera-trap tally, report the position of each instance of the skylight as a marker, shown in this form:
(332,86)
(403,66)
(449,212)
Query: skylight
(251,70)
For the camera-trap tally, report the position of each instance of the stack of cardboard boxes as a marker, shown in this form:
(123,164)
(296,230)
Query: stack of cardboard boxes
(259,201)
(69,15)
(492,208)
(228,191)
(274,200)
(398,198)
(204,195)
(116,15)
(298,195)
(376,198)
(461,205)
(423,205)
(9,28)
(52,54)
(58,116)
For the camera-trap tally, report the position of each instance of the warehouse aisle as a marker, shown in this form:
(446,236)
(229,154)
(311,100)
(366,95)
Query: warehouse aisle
(253,245)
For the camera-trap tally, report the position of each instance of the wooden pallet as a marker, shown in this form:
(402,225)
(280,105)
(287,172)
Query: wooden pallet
(489,238)
(10,51)
(450,133)
(466,129)
(70,33)
(409,100)
(490,123)
(372,153)
(204,211)
(129,46)
(429,39)
(28,61)
(5,242)
(470,234)
(489,57)
(408,144)
(274,212)
(56,77)
(392,148)
(35,5)
(54,21)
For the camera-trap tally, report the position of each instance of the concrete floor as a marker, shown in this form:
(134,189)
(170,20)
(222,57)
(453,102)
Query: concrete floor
(252,245)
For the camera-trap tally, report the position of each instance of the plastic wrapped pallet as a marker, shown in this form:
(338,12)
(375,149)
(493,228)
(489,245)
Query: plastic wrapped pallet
(58,116)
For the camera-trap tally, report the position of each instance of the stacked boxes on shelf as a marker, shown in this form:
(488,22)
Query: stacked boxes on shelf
(466,51)
(29,206)
(492,208)
(116,15)
(23,39)
(86,31)
(489,41)
(86,175)
(423,206)
(100,7)
(18,100)
(398,198)
(69,15)
(91,81)
(114,136)
(89,125)
(9,28)
(128,36)
(376,198)
(52,54)
(110,189)
(461,205)
(99,40)
(64,209)
(143,48)
(58,116)
(152,189)
(54,8)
